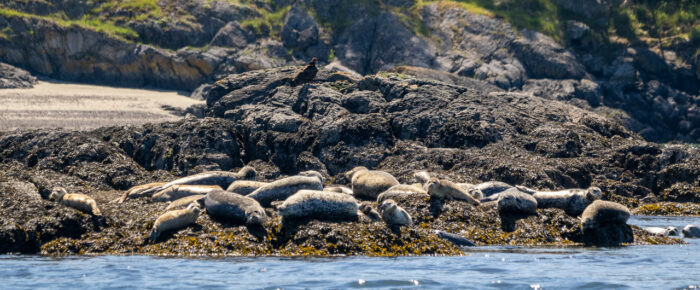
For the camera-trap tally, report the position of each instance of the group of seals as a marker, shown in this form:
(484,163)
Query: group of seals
(77,201)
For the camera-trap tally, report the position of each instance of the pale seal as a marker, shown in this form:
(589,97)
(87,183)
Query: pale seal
(245,187)
(572,201)
(400,190)
(492,187)
(138,190)
(312,173)
(664,232)
(370,183)
(319,205)
(77,201)
(445,189)
(421,176)
(691,231)
(185,201)
(393,214)
(515,201)
(221,178)
(283,188)
(179,191)
(234,208)
(175,220)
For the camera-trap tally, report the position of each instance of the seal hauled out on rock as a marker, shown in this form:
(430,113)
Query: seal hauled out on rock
(179,191)
(185,201)
(245,187)
(312,173)
(445,189)
(221,178)
(515,201)
(370,183)
(338,189)
(400,190)
(367,209)
(691,231)
(421,176)
(307,74)
(604,223)
(393,214)
(492,187)
(234,208)
(319,205)
(175,220)
(138,190)
(454,238)
(283,188)
(664,232)
(572,201)
(77,201)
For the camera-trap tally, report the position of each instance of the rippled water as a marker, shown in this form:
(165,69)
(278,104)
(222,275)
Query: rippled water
(654,267)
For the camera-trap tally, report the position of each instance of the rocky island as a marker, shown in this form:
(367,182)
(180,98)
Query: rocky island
(462,95)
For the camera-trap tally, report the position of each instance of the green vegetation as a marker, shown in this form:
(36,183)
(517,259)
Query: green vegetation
(268,24)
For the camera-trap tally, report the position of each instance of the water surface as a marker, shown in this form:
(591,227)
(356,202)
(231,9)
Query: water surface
(650,267)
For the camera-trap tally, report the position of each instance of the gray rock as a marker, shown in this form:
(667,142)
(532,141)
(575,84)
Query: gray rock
(576,30)
(13,78)
(232,35)
(300,30)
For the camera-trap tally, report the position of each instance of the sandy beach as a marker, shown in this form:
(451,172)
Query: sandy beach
(52,104)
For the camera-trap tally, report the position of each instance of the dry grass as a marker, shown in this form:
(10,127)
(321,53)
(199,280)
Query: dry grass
(84,107)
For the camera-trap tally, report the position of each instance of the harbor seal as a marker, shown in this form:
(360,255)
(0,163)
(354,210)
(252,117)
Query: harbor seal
(492,187)
(515,201)
(691,231)
(400,190)
(367,209)
(175,220)
(664,232)
(456,239)
(338,189)
(604,223)
(572,201)
(245,187)
(221,178)
(234,208)
(312,173)
(445,189)
(138,190)
(179,191)
(421,176)
(370,183)
(393,214)
(283,188)
(185,201)
(77,201)
(319,205)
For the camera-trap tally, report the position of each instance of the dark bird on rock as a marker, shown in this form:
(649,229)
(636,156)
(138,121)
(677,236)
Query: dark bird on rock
(307,74)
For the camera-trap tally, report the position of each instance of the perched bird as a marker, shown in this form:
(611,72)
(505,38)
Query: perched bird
(307,74)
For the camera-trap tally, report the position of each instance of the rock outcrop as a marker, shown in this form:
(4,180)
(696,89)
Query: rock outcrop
(12,77)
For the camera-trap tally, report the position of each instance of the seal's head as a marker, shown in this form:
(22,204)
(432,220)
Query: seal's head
(388,205)
(255,217)
(57,193)
(194,207)
(352,172)
(594,193)
(248,172)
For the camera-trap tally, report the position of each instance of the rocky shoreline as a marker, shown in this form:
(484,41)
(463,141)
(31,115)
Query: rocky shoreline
(469,132)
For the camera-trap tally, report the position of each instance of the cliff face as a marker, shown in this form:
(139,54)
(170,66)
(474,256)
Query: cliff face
(651,89)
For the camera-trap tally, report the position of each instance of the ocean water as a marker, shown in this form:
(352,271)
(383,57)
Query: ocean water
(637,267)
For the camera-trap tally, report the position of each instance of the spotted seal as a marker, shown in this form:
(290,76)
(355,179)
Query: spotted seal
(515,201)
(283,188)
(138,190)
(572,201)
(401,190)
(370,183)
(691,231)
(185,201)
(393,214)
(319,205)
(456,239)
(175,220)
(445,189)
(221,178)
(245,187)
(179,191)
(77,201)
(235,208)
(664,232)
(492,187)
